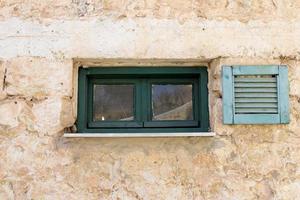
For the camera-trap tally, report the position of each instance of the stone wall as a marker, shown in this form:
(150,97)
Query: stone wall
(42,42)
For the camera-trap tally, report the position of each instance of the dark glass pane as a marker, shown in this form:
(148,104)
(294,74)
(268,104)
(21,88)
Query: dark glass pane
(113,102)
(172,102)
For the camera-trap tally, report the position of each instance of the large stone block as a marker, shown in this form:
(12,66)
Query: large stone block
(172,9)
(53,115)
(294,78)
(148,38)
(15,117)
(38,77)
(9,113)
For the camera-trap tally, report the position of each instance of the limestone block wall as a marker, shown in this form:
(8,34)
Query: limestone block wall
(42,42)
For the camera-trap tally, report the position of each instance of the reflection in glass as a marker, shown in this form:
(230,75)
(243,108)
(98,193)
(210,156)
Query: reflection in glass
(113,102)
(172,102)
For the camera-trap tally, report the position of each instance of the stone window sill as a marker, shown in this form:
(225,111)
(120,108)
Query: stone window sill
(125,135)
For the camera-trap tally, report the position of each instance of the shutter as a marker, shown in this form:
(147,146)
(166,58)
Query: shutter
(255,95)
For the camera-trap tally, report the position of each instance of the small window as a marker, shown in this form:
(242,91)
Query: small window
(141,99)
(255,95)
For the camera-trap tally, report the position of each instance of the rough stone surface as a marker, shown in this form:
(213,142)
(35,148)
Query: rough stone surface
(148,38)
(53,115)
(40,39)
(242,10)
(9,113)
(39,78)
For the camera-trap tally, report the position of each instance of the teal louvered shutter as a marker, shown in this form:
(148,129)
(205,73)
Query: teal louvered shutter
(255,95)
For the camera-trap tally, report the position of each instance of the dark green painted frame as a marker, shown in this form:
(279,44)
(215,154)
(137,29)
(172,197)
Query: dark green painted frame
(141,77)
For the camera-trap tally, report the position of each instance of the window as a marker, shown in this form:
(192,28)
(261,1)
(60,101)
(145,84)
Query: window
(255,95)
(142,99)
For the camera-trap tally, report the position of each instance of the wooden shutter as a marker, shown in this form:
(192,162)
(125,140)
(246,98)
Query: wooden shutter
(255,95)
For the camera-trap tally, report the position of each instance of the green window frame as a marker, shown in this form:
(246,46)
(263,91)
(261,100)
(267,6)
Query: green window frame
(261,99)
(142,78)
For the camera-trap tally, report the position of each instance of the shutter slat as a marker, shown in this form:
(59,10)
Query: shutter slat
(244,90)
(260,80)
(259,85)
(255,110)
(262,100)
(255,94)
(256,105)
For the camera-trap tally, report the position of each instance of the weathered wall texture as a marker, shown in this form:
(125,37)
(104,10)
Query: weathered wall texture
(39,39)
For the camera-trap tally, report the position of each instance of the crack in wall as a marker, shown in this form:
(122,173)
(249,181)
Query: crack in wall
(274,4)
(4,79)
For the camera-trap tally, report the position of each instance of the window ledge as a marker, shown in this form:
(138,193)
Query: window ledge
(124,135)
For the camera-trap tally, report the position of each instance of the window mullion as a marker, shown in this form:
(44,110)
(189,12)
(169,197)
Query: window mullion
(90,102)
(138,101)
(145,105)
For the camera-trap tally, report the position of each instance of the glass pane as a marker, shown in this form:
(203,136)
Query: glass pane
(113,102)
(172,102)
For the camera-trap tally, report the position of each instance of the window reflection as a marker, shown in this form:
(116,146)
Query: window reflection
(172,102)
(113,102)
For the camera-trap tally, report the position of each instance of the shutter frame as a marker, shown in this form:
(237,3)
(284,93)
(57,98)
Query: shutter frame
(283,94)
(227,95)
(229,114)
